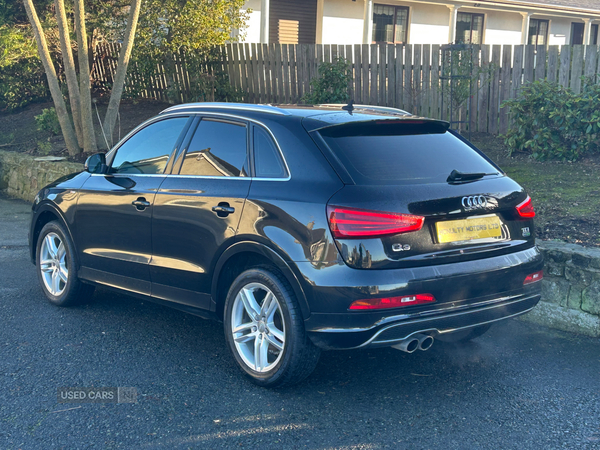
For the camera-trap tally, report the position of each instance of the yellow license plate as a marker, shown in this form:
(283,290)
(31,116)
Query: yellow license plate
(469,229)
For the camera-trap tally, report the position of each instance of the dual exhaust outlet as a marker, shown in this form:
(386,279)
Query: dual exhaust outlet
(416,341)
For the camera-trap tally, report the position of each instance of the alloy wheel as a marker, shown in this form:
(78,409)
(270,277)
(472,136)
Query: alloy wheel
(53,264)
(258,327)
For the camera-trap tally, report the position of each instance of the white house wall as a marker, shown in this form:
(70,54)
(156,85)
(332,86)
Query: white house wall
(342,22)
(502,27)
(428,23)
(252,32)
(560,30)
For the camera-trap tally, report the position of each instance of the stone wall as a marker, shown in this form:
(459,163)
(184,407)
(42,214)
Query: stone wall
(22,176)
(570,289)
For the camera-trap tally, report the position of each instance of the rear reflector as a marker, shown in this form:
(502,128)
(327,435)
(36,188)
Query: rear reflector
(392,302)
(525,209)
(534,277)
(355,223)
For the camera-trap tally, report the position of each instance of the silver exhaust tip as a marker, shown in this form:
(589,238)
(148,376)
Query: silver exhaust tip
(425,341)
(408,345)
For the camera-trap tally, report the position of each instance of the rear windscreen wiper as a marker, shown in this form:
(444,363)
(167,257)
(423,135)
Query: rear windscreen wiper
(459,177)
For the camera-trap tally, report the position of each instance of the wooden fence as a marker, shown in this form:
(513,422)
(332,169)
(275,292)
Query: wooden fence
(409,77)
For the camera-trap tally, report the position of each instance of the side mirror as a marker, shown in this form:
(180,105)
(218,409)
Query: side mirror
(96,163)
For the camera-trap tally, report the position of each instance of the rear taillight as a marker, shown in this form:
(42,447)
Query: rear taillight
(355,223)
(392,302)
(525,209)
(534,277)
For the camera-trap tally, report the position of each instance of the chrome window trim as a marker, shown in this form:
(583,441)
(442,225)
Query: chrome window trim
(265,108)
(206,114)
(140,126)
(128,175)
(231,178)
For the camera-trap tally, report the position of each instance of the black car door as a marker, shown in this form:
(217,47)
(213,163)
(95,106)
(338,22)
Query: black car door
(114,210)
(197,208)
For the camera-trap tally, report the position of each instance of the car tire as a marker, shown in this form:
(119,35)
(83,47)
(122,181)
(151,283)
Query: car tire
(464,335)
(272,348)
(56,267)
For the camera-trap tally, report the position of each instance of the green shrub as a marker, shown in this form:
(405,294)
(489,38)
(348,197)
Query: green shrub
(331,86)
(48,121)
(552,122)
(44,147)
(22,78)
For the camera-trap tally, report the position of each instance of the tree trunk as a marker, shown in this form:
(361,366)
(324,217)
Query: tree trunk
(117,90)
(71,75)
(59,103)
(172,87)
(87,124)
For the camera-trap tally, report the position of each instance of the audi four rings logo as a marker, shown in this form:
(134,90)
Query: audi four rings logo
(474,201)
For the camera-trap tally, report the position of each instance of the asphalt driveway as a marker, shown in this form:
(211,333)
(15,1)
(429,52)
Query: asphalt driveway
(518,387)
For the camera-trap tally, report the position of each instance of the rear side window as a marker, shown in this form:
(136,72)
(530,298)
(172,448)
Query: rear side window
(148,151)
(267,160)
(406,153)
(218,149)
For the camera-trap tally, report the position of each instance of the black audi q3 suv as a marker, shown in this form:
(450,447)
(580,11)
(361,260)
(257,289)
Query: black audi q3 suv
(300,228)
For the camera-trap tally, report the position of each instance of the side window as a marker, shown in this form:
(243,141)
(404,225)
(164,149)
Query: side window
(218,149)
(148,151)
(267,160)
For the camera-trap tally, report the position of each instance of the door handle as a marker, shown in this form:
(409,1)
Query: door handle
(140,204)
(223,209)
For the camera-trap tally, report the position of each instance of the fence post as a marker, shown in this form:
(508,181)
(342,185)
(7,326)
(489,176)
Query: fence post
(373,71)
(495,90)
(552,64)
(415,88)
(399,76)
(565,65)
(435,81)
(365,73)
(408,59)
(426,86)
(591,61)
(505,86)
(540,64)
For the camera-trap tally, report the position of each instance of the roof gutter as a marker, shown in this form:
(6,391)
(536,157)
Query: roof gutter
(519,7)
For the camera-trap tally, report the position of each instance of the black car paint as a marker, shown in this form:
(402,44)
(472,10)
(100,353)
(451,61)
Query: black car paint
(169,245)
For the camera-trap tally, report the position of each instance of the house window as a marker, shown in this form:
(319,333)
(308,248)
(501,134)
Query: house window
(594,35)
(469,28)
(576,33)
(538,32)
(390,24)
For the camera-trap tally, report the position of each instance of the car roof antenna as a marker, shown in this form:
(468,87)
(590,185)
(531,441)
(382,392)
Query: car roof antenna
(349,107)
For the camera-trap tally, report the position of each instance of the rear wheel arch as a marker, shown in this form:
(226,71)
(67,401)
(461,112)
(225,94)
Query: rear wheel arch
(245,255)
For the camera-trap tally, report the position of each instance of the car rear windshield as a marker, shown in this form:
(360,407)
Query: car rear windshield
(412,152)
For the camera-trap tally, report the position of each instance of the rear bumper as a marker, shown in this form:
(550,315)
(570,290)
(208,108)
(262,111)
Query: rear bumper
(469,294)
(433,323)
